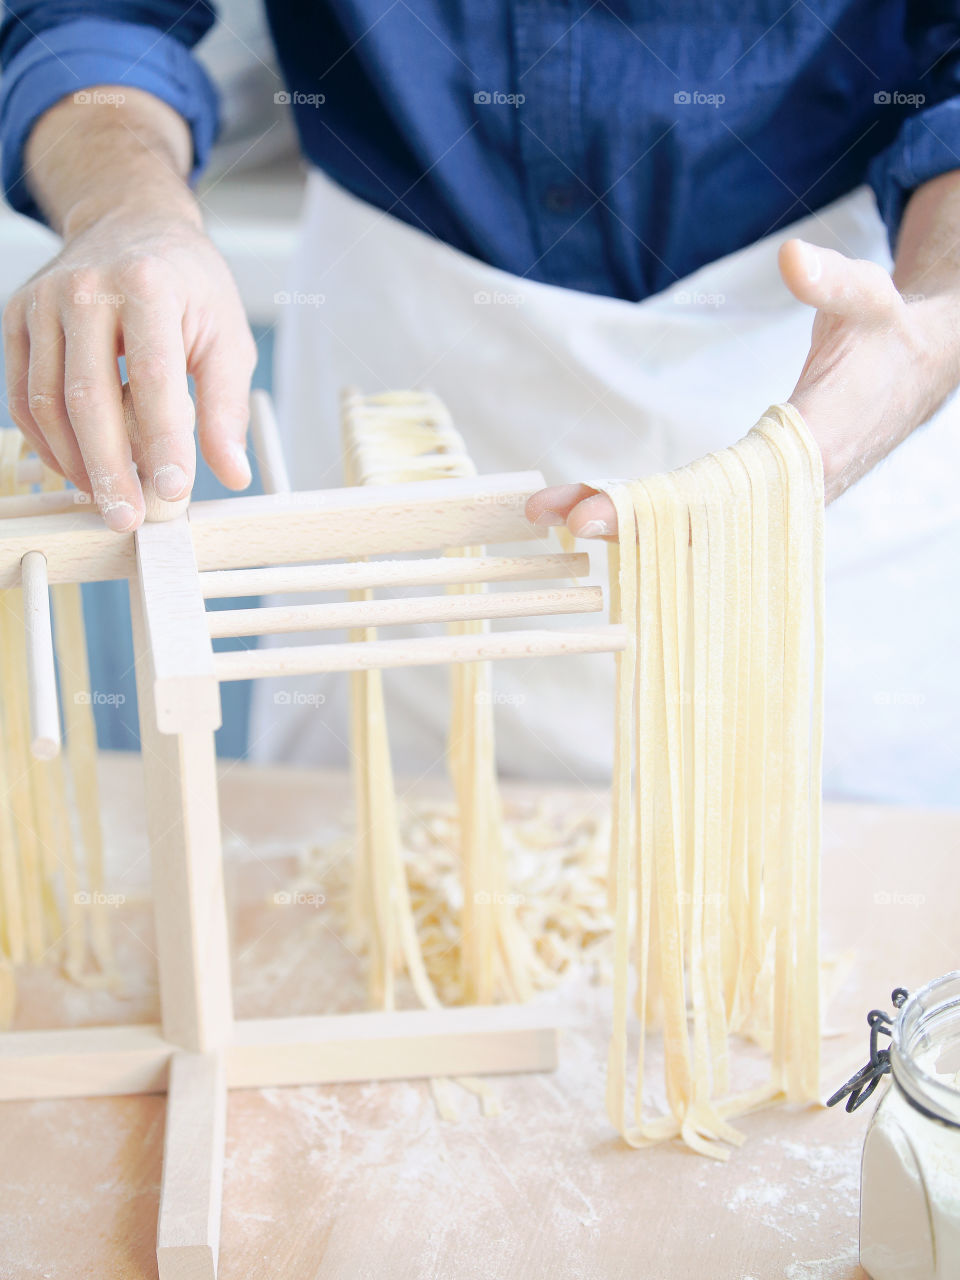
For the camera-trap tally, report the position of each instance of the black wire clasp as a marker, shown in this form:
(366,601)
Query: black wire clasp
(861,1086)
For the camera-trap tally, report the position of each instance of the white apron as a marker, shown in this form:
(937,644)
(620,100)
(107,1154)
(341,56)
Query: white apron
(579,386)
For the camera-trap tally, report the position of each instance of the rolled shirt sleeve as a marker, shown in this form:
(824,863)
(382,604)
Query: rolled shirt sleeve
(927,145)
(71,56)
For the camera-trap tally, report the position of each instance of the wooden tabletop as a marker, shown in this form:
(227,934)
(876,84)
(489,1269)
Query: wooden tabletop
(365,1181)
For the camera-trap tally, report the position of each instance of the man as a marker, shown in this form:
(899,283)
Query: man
(518,194)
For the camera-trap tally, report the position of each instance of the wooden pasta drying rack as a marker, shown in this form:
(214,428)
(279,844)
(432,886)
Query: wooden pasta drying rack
(280,541)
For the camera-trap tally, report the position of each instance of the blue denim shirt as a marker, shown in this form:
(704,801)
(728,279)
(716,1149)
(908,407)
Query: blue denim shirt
(611,147)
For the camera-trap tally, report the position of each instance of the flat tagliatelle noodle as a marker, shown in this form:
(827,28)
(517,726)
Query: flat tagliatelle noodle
(52,906)
(392,438)
(715,816)
(718,580)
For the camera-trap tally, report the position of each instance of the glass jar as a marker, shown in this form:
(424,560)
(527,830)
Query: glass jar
(910,1176)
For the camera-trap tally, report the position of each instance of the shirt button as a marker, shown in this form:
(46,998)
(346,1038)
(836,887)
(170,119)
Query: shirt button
(559,199)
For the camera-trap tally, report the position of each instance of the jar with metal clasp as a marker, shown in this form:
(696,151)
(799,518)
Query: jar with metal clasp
(910,1174)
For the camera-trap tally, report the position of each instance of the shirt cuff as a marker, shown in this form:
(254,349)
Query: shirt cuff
(68,59)
(927,145)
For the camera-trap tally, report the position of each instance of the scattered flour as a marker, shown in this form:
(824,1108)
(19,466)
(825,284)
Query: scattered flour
(835,1268)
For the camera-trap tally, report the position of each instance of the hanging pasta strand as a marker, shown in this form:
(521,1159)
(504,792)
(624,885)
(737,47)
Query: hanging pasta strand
(51,905)
(388,439)
(496,958)
(381,912)
(719,577)
(81,759)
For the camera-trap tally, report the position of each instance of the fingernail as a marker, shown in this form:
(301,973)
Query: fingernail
(119,516)
(547,520)
(596,529)
(170,481)
(813,263)
(239,455)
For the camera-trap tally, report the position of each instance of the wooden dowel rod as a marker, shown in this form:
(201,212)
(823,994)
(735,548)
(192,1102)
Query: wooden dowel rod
(255,664)
(437,571)
(41,674)
(385,613)
(52,502)
(265,437)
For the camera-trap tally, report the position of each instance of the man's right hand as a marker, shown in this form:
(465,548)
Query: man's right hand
(136,277)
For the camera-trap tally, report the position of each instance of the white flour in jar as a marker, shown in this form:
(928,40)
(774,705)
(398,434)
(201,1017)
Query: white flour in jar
(910,1183)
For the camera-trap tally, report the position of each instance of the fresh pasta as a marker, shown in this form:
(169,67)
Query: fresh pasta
(51,849)
(389,439)
(717,577)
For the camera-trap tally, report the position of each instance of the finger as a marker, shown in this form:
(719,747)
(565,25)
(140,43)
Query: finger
(594,517)
(842,286)
(549,507)
(16,360)
(45,398)
(164,451)
(42,450)
(92,395)
(222,374)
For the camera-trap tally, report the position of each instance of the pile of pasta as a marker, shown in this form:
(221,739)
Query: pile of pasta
(557,853)
(713,878)
(51,848)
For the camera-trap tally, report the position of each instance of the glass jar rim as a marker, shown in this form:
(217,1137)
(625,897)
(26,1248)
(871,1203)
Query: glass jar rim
(932,1094)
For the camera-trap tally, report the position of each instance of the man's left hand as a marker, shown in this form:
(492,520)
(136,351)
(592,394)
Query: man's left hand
(880,363)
